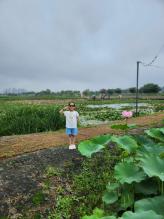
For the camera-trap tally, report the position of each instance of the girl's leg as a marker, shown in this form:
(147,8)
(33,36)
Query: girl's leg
(70,139)
(73,139)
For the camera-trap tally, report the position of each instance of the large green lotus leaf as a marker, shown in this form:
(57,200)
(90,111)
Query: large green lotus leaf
(155,149)
(147,187)
(87,148)
(126,142)
(112,186)
(155,133)
(128,173)
(141,215)
(127,198)
(152,165)
(101,139)
(110,197)
(143,140)
(156,204)
(162,130)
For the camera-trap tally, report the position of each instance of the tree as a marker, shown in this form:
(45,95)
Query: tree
(86,92)
(150,88)
(132,90)
(118,91)
(103,93)
(110,91)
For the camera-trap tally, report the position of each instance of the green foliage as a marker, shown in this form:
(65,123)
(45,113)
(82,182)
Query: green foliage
(52,171)
(89,182)
(98,214)
(23,119)
(120,126)
(126,142)
(123,126)
(141,215)
(110,197)
(140,175)
(37,216)
(88,147)
(108,115)
(152,166)
(156,133)
(128,173)
(155,204)
(64,207)
(150,88)
(38,198)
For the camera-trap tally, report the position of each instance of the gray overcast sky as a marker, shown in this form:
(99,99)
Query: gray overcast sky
(79,44)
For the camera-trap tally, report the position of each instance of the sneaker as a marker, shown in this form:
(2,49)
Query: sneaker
(72,146)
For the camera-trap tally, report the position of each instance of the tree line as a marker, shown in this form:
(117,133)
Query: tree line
(145,89)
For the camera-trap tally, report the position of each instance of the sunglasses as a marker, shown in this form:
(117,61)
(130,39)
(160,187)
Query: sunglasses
(72,105)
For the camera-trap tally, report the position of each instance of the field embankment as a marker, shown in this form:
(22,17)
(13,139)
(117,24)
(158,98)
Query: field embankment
(20,144)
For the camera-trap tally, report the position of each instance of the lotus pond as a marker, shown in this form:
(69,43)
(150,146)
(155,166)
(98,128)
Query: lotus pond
(106,113)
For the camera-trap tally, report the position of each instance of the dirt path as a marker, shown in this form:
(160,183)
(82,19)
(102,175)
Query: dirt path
(20,144)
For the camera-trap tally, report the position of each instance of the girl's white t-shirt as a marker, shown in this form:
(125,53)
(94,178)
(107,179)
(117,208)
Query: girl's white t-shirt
(71,119)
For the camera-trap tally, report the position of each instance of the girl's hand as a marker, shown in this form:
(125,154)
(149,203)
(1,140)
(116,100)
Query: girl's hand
(65,108)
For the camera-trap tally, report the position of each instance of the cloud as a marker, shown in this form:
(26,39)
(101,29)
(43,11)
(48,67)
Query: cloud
(79,44)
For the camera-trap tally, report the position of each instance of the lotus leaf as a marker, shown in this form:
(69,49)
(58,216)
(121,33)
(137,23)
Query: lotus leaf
(152,149)
(162,130)
(126,142)
(156,204)
(112,186)
(144,140)
(110,197)
(87,148)
(128,172)
(101,139)
(141,215)
(155,133)
(153,166)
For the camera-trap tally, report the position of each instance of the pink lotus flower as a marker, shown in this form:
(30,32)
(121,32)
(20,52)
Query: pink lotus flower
(127,114)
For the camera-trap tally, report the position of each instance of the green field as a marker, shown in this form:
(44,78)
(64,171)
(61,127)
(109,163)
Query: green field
(32,116)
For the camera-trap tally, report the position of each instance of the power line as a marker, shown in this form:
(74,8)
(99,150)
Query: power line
(156,66)
(154,59)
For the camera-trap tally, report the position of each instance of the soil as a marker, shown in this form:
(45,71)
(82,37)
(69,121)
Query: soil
(21,177)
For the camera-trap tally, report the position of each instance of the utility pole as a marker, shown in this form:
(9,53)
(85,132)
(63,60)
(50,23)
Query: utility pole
(138,63)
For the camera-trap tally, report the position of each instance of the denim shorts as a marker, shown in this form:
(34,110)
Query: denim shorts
(71,131)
